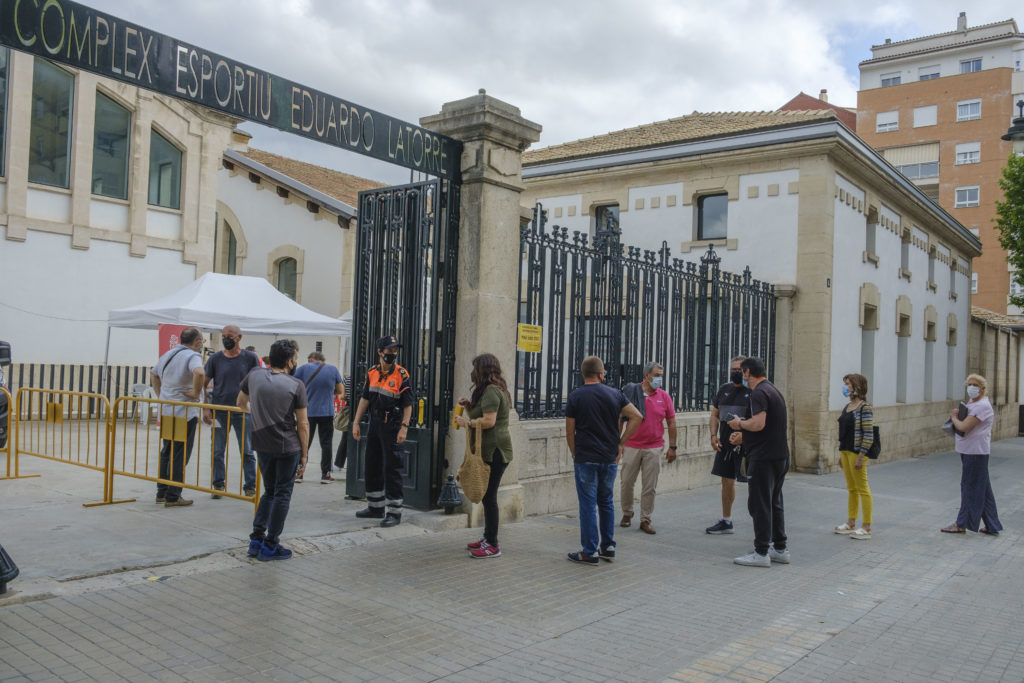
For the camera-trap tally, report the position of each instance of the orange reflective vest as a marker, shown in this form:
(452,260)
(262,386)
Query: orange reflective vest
(388,393)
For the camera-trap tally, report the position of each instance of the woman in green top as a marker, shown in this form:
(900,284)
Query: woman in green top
(488,410)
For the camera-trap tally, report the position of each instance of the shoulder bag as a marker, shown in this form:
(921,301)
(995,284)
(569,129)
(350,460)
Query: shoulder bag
(474,473)
(876,445)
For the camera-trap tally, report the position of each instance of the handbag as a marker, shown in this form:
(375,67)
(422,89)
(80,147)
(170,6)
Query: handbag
(474,473)
(876,445)
(343,419)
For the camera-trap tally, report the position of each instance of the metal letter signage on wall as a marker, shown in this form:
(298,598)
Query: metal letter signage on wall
(84,38)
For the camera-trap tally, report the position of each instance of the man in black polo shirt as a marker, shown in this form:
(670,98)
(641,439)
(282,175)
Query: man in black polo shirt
(767,451)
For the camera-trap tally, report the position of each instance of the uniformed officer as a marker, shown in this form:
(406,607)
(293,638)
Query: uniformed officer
(388,395)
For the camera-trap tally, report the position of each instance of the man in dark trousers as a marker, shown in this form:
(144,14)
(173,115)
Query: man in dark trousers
(767,450)
(593,428)
(732,399)
(178,376)
(226,369)
(276,402)
(323,383)
(388,395)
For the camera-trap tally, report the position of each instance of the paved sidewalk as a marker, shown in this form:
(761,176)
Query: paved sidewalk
(408,604)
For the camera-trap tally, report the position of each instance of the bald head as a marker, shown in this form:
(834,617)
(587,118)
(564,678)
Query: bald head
(231,331)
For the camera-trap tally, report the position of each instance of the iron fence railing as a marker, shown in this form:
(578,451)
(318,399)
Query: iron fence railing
(629,306)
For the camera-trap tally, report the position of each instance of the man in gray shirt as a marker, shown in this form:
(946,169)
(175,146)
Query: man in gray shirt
(280,435)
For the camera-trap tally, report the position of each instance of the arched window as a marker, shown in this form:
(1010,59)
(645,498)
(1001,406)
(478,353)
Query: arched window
(287,269)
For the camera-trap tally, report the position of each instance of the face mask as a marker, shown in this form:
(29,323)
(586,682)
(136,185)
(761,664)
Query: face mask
(846,391)
(745,384)
(656,382)
(736,377)
(389,358)
(973,392)
(228,343)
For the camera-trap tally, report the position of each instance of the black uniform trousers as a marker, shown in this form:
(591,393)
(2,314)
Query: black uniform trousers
(384,467)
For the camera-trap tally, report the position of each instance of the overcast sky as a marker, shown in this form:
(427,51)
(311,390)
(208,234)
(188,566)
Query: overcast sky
(577,67)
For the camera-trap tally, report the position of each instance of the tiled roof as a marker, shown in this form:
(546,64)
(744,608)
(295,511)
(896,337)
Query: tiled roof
(342,186)
(999,320)
(696,126)
(804,102)
(949,33)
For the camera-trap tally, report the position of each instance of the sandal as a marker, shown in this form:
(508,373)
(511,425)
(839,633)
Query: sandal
(861,534)
(844,529)
(985,530)
(953,529)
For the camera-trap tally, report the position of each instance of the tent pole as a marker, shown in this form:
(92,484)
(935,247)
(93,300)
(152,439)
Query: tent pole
(106,359)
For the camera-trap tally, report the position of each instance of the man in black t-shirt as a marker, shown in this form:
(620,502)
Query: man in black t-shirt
(593,428)
(733,399)
(767,449)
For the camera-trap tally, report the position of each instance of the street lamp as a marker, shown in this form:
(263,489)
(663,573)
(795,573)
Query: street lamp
(1016,132)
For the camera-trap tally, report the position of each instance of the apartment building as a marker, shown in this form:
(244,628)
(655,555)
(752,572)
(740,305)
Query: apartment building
(935,107)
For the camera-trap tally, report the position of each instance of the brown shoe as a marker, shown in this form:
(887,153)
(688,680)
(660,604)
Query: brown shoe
(647,528)
(627,520)
(180,503)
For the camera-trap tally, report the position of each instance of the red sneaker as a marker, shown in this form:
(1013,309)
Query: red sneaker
(485,550)
(475,544)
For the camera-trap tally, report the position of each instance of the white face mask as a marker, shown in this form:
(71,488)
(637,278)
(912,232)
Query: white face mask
(973,392)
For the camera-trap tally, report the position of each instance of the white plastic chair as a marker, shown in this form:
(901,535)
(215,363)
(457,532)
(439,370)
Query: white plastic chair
(142,391)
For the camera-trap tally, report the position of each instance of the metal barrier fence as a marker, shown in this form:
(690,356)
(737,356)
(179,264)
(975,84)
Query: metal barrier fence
(8,429)
(60,426)
(628,306)
(121,380)
(136,444)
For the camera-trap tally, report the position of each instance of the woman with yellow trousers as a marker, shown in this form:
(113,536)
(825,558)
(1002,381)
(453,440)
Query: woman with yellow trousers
(856,434)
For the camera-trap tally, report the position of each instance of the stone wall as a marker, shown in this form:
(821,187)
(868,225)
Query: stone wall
(546,472)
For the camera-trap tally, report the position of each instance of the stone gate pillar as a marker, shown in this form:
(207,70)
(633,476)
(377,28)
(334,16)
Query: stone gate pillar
(494,135)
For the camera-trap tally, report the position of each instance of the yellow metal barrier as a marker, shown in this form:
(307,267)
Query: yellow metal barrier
(135,445)
(8,451)
(64,426)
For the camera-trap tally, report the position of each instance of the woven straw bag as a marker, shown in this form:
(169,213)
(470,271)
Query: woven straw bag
(474,472)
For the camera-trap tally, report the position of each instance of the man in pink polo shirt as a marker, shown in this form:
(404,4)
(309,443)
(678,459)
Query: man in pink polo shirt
(642,453)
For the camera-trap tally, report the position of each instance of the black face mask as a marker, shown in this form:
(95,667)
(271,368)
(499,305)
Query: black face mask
(228,343)
(736,377)
(389,358)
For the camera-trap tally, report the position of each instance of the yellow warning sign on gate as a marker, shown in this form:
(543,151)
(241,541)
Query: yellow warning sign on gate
(530,338)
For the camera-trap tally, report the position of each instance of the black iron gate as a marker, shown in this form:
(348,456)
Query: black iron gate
(628,306)
(405,285)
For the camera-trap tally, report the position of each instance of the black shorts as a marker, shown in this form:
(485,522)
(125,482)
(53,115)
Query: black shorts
(727,465)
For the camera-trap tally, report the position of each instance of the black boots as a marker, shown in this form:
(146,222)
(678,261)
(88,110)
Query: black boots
(371,513)
(391,520)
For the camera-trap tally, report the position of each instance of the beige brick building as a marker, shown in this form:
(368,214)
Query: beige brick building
(936,107)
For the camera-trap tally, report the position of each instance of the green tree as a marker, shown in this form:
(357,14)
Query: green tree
(1010,220)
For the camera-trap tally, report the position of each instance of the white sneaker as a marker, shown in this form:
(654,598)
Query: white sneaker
(780,557)
(753,560)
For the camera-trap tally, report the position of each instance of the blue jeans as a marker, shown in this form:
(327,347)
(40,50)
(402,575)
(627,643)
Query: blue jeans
(278,470)
(220,444)
(595,485)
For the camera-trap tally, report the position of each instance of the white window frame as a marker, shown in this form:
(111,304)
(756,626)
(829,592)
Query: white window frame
(967,201)
(968,116)
(927,115)
(893,78)
(968,153)
(974,282)
(927,73)
(887,126)
(967,65)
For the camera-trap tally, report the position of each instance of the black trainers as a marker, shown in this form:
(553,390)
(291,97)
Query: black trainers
(582,558)
(371,513)
(720,527)
(391,520)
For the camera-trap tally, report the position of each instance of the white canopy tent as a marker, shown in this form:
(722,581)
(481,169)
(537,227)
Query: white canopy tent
(216,300)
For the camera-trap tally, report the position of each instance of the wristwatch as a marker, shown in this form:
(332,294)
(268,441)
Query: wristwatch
(671,448)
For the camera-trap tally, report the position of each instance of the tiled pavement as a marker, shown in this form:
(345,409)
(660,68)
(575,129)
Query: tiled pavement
(909,605)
